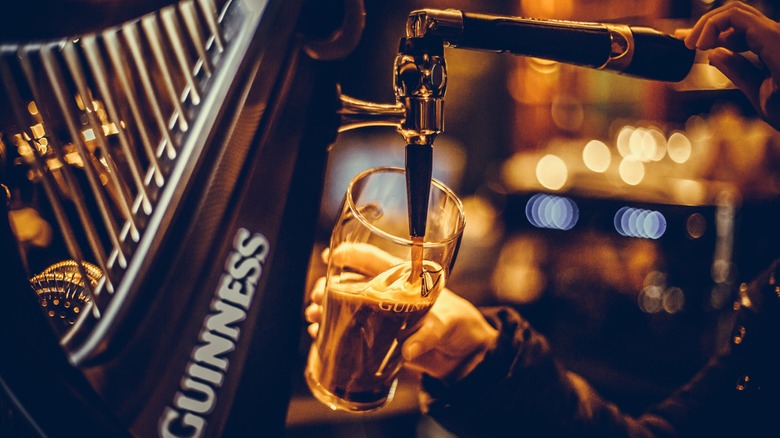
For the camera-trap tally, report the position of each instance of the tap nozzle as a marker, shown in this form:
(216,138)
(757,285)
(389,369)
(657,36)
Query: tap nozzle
(420,76)
(420,81)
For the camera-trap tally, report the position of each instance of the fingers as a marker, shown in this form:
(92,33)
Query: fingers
(769,96)
(740,71)
(740,28)
(424,351)
(363,257)
(735,34)
(723,27)
(716,26)
(313,312)
(760,89)
(325,255)
(681,33)
(733,40)
(317,291)
(360,257)
(730,39)
(435,326)
(424,339)
(313,329)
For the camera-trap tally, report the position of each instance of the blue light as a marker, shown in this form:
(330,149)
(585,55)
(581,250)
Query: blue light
(543,211)
(637,222)
(554,212)
(633,222)
(619,220)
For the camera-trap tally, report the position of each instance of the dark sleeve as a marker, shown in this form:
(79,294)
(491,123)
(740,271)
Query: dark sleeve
(520,387)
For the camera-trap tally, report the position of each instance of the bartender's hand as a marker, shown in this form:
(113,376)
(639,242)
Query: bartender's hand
(735,28)
(452,339)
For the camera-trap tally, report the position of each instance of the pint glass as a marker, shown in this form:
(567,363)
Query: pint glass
(371,302)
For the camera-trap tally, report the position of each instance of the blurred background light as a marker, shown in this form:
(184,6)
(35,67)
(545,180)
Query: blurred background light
(622,140)
(695,225)
(631,171)
(638,222)
(597,156)
(679,147)
(554,212)
(551,172)
(657,143)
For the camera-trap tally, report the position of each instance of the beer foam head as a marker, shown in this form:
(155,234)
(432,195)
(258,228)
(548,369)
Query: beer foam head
(396,283)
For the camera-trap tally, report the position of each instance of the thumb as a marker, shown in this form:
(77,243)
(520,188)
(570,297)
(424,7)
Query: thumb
(740,71)
(421,341)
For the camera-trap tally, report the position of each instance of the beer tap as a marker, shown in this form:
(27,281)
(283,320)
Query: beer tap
(420,74)
(420,81)
(420,78)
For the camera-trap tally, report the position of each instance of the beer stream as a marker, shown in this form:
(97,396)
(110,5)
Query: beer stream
(417,258)
(415,275)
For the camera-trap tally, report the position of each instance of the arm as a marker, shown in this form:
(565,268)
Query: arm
(519,385)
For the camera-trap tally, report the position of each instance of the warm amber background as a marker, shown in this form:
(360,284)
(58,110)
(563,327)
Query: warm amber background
(636,316)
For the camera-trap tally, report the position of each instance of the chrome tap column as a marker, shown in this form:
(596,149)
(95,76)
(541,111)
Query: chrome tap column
(420,81)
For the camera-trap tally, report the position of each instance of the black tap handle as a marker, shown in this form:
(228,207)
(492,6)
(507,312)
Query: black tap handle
(584,44)
(634,50)
(651,54)
(419,162)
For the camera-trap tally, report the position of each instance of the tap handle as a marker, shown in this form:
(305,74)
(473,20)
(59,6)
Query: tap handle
(582,44)
(419,164)
(638,51)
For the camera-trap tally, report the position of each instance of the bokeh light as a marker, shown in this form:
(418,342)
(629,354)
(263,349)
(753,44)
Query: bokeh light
(596,156)
(658,143)
(551,172)
(622,140)
(679,147)
(631,171)
(554,212)
(695,225)
(641,223)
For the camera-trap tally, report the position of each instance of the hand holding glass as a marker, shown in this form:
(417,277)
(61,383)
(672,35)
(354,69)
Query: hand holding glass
(371,303)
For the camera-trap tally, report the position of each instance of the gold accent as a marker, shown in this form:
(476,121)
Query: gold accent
(447,24)
(740,335)
(742,382)
(622,44)
(62,290)
(744,299)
